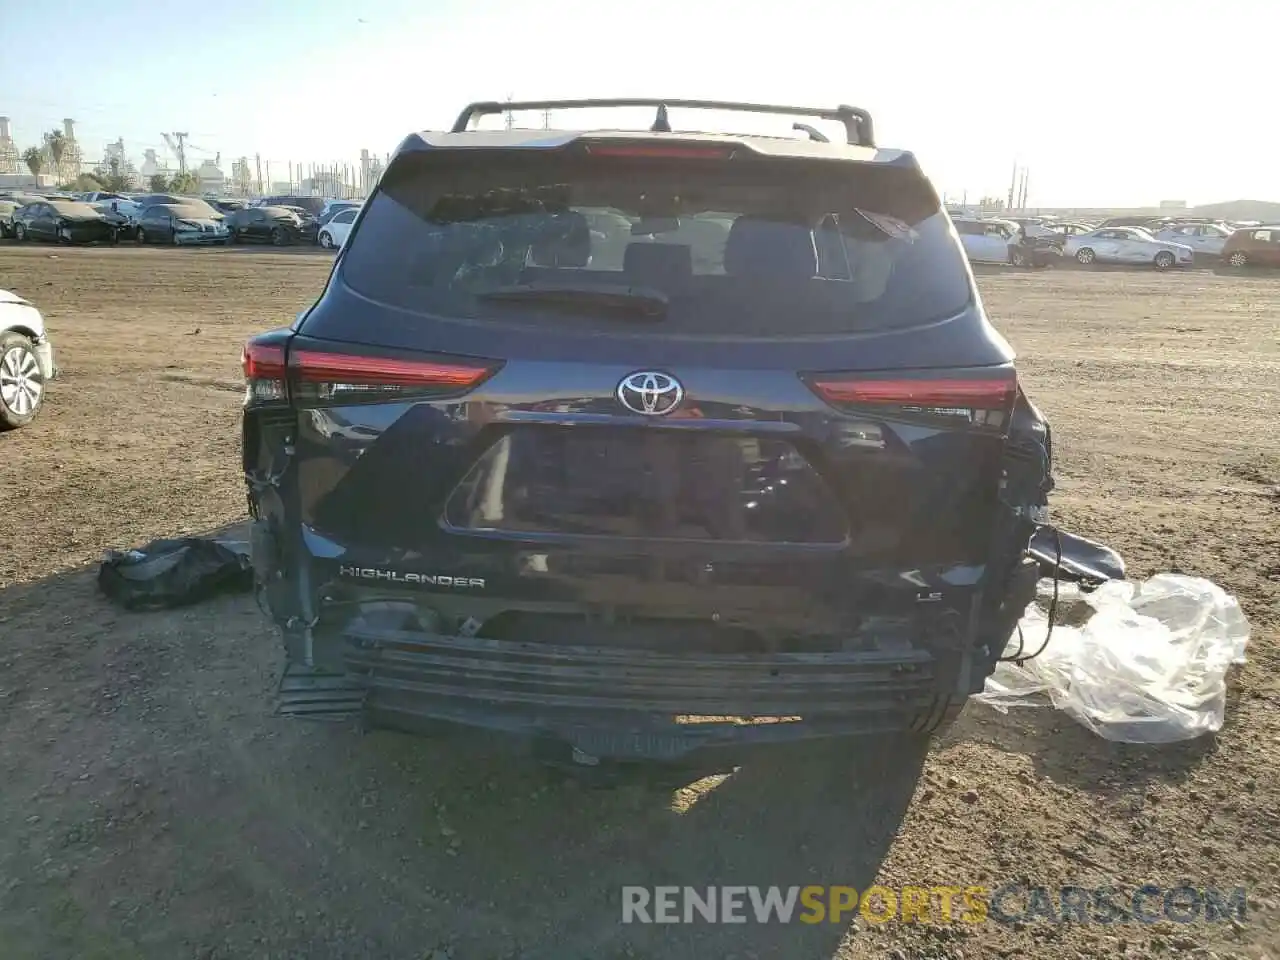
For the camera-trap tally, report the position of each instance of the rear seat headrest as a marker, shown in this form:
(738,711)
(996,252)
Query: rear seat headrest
(758,246)
(658,262)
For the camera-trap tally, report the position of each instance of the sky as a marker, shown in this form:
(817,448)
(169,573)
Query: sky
(1105,102)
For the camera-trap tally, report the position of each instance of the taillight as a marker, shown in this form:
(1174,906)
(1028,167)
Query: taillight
(264,373)
(322,378)
(982,398)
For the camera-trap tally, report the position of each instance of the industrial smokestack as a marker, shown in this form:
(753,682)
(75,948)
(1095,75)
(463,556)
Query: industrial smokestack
(69,128)
(4,128)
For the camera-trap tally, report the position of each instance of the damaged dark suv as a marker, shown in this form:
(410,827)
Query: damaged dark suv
(634,443)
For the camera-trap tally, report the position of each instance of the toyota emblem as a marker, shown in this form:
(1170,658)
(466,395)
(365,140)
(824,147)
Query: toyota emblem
(650,393)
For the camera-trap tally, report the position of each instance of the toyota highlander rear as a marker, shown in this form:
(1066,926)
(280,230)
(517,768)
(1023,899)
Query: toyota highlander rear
(638,442)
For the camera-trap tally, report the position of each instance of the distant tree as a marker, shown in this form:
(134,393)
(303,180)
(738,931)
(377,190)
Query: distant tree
(85,183)
(34,160)
(113,177)
(158,183)
(56,141)
(185,183)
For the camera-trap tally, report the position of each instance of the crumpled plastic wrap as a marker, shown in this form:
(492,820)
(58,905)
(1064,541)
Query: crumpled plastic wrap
(1134,662)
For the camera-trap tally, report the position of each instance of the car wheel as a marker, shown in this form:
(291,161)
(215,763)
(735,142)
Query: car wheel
(1238,259)
(21,382)
(278,237)
(176,242)
(326,241)
(20,233)
(1017,257)
(140,236)
(1085,255)
(1164,260)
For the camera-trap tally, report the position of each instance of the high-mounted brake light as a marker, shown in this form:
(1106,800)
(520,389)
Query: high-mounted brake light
(982,399)
(322,377)
(664,151)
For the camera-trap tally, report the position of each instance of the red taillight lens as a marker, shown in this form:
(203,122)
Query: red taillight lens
(264,371)
(262,361)
(981,398)
(314,366)
(984,394)
(320,377)
(660,151)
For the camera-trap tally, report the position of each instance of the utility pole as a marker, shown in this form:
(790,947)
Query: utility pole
(510,119)
(182,151)
(257,160)
(1013,185)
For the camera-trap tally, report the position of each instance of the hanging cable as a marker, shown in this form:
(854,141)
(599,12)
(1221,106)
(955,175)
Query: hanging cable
(1018,658)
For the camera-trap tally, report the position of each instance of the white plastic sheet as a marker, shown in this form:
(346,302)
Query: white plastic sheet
(1146,664)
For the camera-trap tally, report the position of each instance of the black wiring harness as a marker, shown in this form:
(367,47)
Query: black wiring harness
(1019,658)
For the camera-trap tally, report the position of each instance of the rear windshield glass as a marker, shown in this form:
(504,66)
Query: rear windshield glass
(752,246)
(191,203)
(192,211)
(72,208)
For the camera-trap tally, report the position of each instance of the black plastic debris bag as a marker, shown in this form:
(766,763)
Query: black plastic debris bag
(173,573)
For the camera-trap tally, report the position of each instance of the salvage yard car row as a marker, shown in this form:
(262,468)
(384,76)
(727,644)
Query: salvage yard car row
(176,220)
(1162,244)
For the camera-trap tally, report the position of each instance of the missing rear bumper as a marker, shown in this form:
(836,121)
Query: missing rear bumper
(583,704)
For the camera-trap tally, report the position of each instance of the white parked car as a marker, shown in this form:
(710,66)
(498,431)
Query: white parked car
(333,207)
(1069,228)
(1127,245)
(334,233)
(1204,238)
(26,361)
(987,241)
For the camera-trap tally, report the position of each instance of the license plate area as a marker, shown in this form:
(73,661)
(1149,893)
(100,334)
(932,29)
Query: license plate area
(642,482)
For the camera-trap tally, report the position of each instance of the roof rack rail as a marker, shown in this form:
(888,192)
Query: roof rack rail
(858,127)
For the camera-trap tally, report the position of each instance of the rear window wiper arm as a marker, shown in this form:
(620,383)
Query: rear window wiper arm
(646,302)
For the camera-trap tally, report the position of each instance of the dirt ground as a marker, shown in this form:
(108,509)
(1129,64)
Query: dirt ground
(151,806)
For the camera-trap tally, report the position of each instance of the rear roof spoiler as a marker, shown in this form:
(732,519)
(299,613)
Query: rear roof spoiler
(859,130)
